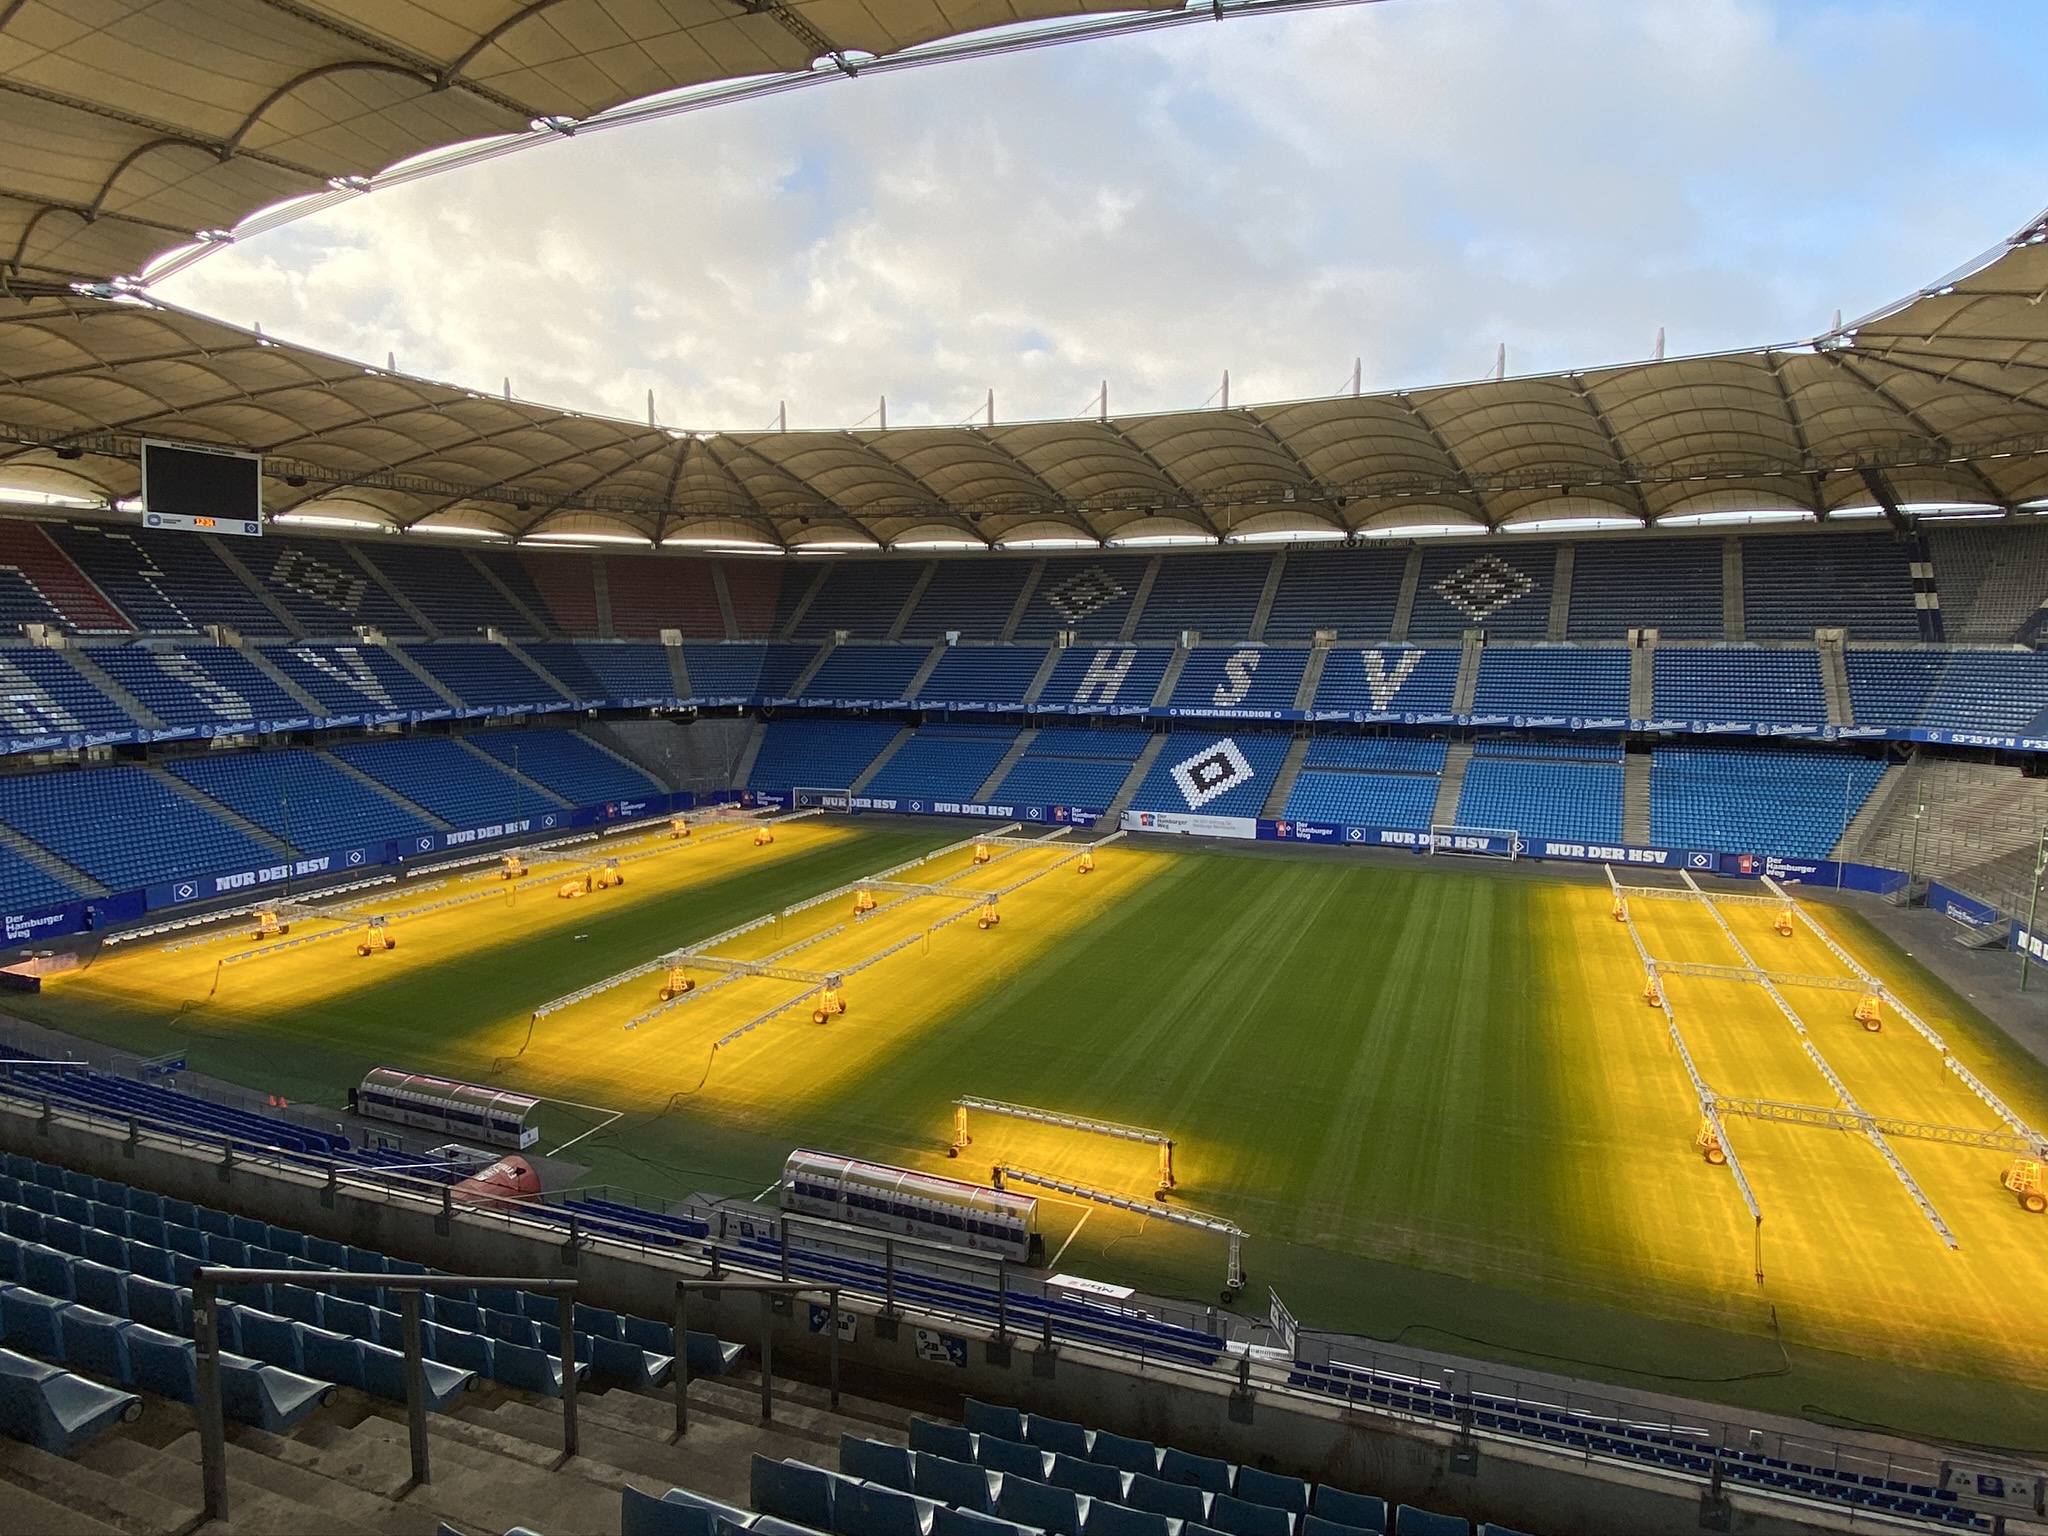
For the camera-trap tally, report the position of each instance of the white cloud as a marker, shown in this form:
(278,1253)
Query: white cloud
(1411,183)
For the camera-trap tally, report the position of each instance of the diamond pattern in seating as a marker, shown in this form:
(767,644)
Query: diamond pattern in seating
(1484,587)
(1087,591)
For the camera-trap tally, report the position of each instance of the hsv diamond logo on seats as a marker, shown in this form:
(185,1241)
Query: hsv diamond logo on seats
(1086,591)
(1213,771)
(1484,587)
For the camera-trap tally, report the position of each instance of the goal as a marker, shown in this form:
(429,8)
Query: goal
(815,798)
(1475,842)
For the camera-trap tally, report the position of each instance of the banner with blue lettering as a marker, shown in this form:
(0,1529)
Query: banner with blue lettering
(1967,910)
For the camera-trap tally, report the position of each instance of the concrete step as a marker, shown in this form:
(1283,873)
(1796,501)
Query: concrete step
(26,1512)
(253,1459)
(108,1500)
(343,1454)
(250,1508)
(484,1478)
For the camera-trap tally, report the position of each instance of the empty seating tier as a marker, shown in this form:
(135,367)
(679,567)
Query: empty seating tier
(943,763)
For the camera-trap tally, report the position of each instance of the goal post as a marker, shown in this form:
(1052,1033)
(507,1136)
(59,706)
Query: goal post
(813,797)
(1475,842)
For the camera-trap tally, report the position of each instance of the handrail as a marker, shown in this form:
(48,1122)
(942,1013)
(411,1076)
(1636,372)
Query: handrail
(1331,1348)
(206,1280)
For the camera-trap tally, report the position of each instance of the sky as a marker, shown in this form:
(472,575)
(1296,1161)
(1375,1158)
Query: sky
(1409,185)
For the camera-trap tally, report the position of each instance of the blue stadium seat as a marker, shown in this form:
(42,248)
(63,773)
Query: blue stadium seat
(970,595)
(440,582)
(1553,681)
(1200,760)
(1124,1453)
(677,1513)
(1795,583)
(947,1440)
(1239,1517)
(789,1490)
(862,597)
(90,817)
(1106,1518)
(1056,1435)
(1504,591)
(876,1461)
(868,1509)
(485,675)
(1085,1477)
(571,765)
(213,687)
(1041,1506)
(860,675)
(1791,802)
(1361,1511)
(1088,594)
(729,672)
(1012,1458)
(1740,684)
(1353,592)
(1105,679)
(1274,1489)
(942,763)
(299,795)
(1177,1501)
(1216,594)
(440,776)
(1559,798)
(324,587)
(1178,1466)
(167,583)
(624,672)
(1669,585)
(352,680)
(987,676)
(1410,1521)
(1251,679)
(819,754)
(957,1483)
(1389,679)
(54,1410)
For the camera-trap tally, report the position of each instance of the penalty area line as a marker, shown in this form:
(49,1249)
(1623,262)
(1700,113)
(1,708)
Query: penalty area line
(1085,1214)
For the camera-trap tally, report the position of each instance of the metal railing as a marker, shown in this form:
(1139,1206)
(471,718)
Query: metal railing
(206,1283)
(908,1265)
(768,1291)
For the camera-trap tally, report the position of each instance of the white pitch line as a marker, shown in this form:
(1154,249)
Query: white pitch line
(1088,1211)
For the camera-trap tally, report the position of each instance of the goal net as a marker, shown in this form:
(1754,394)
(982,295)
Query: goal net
(1475,842)
(817,798)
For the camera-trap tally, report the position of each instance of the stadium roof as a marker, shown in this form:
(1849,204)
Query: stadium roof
(123,135)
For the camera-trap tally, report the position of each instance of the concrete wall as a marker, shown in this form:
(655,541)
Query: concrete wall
(1199,1411)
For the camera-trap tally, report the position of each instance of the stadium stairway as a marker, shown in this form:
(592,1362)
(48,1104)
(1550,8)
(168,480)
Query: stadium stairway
(199,797)
(427,680)
(881,760)
(95,676)
(1283,781)
(1002,769)
(533,786)
(379,787)
(1635,798)
(1456,759)
(527,658)
(33,852)
(262,663)
(1140,771)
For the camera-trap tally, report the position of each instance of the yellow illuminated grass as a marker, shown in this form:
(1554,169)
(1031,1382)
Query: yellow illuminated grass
(252,994)
(788,1064)
(1850,1260)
